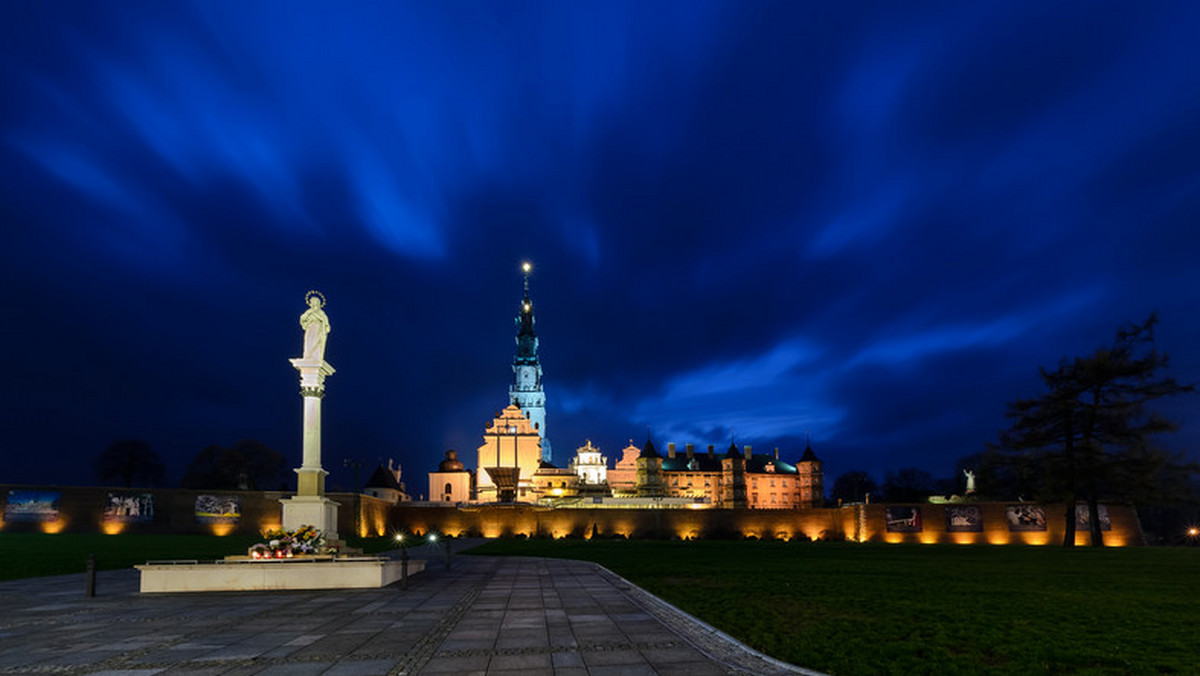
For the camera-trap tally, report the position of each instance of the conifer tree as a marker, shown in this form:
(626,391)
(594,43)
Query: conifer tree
(1091,432)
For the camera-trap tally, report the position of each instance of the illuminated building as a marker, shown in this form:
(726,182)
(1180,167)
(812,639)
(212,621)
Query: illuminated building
(526,390)
(385,484)
(622,479)
(510,454)
(649,472)
(452,482)
(591,468)
(554,482)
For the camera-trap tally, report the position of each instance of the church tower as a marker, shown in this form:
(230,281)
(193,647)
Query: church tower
(526,391)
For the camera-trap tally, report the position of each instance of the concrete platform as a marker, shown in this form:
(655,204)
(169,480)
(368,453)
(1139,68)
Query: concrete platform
(361,572)
(485,615)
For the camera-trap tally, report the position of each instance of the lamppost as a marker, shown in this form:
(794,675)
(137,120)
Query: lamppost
(357,465)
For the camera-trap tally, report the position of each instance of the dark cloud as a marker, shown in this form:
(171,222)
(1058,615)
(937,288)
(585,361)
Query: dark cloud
(758,222)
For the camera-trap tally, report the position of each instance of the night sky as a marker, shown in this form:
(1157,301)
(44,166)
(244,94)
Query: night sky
(870,223)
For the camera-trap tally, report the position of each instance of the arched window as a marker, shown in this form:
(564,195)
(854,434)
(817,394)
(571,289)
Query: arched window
(449,488)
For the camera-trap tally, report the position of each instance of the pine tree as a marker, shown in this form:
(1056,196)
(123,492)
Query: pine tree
(1091,432)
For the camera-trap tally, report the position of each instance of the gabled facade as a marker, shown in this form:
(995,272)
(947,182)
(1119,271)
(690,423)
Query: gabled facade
(510,454)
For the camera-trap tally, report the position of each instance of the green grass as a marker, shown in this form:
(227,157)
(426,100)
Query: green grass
(848,608)
(35,554)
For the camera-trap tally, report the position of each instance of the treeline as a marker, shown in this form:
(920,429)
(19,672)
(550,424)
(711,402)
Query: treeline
(247,465)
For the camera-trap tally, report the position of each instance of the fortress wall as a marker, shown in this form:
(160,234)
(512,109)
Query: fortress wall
(867,523)
(89,509)
(83,509)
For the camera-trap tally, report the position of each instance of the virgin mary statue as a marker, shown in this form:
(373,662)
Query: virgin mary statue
(315,325)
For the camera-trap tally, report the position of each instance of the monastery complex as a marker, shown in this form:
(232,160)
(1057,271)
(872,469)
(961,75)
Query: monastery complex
(513,465)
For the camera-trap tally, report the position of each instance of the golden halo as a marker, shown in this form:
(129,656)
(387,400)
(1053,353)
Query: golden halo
(314,292)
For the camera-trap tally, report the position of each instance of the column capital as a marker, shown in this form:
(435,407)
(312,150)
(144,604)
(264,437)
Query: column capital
(318,392)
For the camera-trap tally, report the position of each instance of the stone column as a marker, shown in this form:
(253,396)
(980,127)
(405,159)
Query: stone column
(310,507)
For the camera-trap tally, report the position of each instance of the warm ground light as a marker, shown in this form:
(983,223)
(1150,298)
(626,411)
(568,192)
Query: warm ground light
(850,608)
(843,608)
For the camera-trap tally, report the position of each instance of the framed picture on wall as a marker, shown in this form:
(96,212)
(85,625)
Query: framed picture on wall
(1025,518)
(129,507)
(32,506)
(1083,517)
(903,519)
(964,519)
(218,509)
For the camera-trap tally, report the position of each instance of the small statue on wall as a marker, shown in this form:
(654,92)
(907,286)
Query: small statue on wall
(970,481)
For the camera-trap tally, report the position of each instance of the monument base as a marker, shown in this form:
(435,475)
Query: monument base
(275,574)
(318,512)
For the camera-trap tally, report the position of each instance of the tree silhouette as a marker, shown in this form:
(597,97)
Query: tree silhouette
(908,484)
(248,465)
(128,461)
(1090,433)
(853,486)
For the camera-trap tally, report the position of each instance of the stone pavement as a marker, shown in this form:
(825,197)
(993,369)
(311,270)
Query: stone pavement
(486,615)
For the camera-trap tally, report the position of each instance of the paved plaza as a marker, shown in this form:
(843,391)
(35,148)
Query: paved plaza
(485,615)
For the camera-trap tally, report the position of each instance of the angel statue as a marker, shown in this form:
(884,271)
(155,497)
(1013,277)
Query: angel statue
(316,326)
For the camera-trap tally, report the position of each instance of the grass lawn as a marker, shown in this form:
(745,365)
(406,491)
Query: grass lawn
(848,608)
(35,554)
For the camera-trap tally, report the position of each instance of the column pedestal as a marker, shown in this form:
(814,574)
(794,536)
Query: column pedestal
(310,507)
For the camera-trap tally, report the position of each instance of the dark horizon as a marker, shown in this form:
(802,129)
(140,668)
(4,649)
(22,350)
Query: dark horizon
(748,221)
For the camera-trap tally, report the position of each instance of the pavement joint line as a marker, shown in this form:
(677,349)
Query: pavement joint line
(427,645)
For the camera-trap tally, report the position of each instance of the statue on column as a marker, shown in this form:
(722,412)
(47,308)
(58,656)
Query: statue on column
(315,324)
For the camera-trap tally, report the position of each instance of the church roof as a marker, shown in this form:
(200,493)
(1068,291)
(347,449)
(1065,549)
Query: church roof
(648,451)
(809,456)
(451,463)
(382,478)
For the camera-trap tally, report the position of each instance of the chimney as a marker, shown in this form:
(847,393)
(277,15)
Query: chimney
(746,451)
(711,452)
(691,450)
(670,449)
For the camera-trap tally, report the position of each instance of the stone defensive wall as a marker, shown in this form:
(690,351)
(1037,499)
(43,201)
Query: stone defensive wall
(53,509)
(964,523)
(89,509)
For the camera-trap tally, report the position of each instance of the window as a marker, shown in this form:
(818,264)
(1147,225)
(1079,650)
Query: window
(449,488)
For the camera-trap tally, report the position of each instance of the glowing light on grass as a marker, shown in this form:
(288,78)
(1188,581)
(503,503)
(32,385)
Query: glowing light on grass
(112,527)
(221,529)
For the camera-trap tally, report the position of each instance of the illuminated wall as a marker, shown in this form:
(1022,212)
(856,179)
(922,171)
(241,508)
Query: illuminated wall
(999,523)
(89,509)
(83,509)
(988,524)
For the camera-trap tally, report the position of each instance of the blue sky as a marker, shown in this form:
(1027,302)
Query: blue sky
(868,223)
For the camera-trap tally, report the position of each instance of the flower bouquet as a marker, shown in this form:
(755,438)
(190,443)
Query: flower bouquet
(284,544)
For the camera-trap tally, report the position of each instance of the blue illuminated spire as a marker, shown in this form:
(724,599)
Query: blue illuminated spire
(526,391)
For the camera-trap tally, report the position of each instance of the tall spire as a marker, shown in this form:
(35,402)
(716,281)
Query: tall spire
(526,391)
(526,337)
